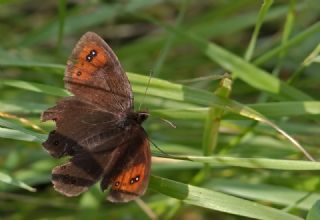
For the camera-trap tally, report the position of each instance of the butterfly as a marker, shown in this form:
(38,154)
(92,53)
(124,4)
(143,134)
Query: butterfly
(98,127)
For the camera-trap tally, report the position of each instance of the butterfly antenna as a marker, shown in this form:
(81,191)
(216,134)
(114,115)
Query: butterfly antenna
(145,92)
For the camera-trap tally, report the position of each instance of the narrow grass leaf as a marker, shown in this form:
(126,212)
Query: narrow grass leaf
(12,181)
(262,13)
(256,163)
(217,201)
(22,107)
(314,213)
(35,87)
(253,75)
(296,40)
(5,62)
(38,137)
(17,135)
(264,192)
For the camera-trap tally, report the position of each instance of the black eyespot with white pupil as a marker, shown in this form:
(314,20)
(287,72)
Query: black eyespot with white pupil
(90,56)
(116,183)
(93,53)
(135,179)
(56,142)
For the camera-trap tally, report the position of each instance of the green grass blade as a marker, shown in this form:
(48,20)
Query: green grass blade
(38,137)
(296,40)
(255,163)
(262,13)
(12,181)
(281,109)
(216,201)
(22,107)
(62,17)
(253,75)
(214,116)
(17,135)
(264,192)
(314,213)
(270,110)
(14,62)
(35,87)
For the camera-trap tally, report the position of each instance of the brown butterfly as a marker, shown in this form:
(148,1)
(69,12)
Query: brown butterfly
(98,127)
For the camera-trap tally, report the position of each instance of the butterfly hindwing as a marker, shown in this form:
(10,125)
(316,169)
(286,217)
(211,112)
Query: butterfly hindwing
(83,170)
(130,176)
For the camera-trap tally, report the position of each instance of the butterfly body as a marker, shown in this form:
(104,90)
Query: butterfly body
(98,127)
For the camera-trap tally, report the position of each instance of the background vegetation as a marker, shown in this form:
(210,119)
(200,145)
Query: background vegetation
(245,141)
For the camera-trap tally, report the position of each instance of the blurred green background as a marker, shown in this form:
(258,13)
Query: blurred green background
(240,165)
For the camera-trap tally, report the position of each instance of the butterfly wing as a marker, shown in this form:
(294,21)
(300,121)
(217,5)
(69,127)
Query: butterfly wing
(129,179)
(83,170)
(94,74)
(103,96)
(90,136)
(81,125)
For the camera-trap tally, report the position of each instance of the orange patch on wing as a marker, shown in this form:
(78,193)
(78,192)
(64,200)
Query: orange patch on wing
(99,60)
(84,69)
(131,179)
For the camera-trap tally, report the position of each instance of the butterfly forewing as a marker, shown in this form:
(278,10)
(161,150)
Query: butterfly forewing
(84,124)
(94,73)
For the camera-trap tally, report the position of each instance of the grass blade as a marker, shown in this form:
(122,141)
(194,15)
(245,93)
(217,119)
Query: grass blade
(12,181)
(217,201)
(256,163)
